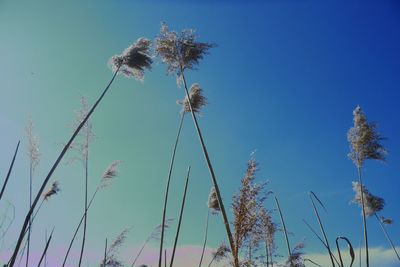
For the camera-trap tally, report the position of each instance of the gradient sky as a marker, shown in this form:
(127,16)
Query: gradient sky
(283,80)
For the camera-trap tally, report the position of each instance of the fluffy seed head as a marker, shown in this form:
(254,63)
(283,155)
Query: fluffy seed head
(180,51)
(197,99)
(387,221)
(212,202)
(372,204)
(33,145)
(221,252)
(134,60)
(55,188)
(364,140)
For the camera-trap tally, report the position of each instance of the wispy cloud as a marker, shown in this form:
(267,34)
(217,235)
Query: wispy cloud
(379,256)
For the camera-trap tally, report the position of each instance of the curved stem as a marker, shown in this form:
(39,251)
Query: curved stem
(213,178)
(387,236)
(180,217)
(171,166)
(351,250)
(205,238)
(53,168)
(321,225)
(284,230)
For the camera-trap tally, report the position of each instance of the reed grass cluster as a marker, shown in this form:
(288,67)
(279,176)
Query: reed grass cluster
(251,228)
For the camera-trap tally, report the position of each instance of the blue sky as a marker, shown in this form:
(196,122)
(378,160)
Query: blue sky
(283,80)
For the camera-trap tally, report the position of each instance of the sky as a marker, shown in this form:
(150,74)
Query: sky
(283,81)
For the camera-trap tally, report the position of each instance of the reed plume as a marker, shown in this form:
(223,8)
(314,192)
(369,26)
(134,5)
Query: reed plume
(365,144)
(296,256)
(212,202)
(372,205)
(220,253)
(246,205)
(125,61)
(134,60)
(154,235)
(82,147)
(181,51)
(53,190)
(268,230)
(111,254)
(197,99)
(33,154)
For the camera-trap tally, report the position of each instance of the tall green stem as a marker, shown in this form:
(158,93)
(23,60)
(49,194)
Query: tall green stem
(213,178)
(171,166)
(53,168)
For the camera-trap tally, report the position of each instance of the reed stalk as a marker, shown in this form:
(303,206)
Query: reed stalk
(312,195)
(45,249)
(180,217)
(9,171)
(387,236)
(212,174)
(364,217)
(284,230)
(53,168)
(171,166)
(205,237)
(351,250)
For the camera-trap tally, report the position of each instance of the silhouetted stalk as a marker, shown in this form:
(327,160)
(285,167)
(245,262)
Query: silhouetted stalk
(140,251)
(45,255)
(205,238)
(351,250)
(26,242)
(105,254)
(45,249)
(267,253)
(364,216)
(284,230)
(165,258)
(180,217)
(9,171)
(78,227)
(53,168)
(171,166)
(321,226)
(86,197)
(30,205)
(211,170)
(387,236)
